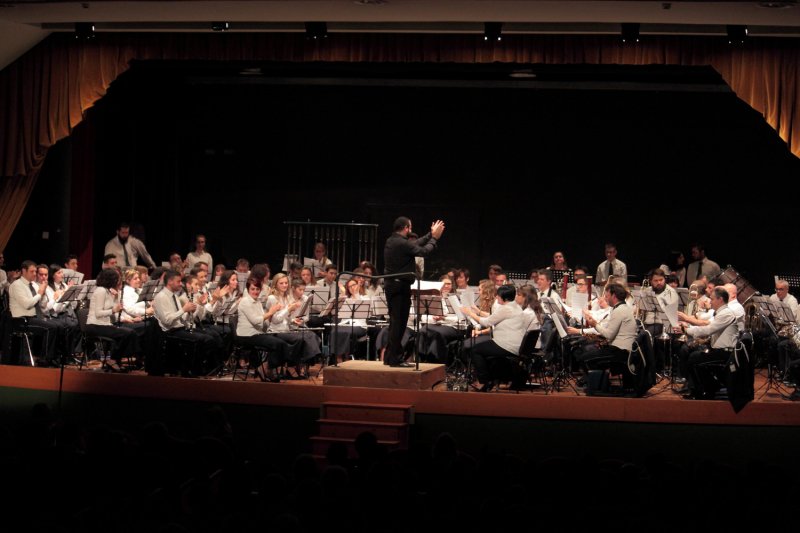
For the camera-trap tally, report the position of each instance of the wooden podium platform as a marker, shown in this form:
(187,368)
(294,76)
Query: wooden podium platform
(376,375)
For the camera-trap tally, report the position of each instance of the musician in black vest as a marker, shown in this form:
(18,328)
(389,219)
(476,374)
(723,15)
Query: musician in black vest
(398,257)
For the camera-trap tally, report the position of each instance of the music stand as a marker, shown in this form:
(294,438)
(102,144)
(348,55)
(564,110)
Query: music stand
(379,305)
(241,278)
(558,275)
(72,276)
(563,376)
(352,309)
(318,296)
(72,294)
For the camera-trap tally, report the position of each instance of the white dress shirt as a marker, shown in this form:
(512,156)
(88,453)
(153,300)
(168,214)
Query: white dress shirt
(21,302)
(168,317)
(709,269)
(251,317)
(722,329)
(619,328)
(509,326)
(193,258)
(136,250)
(279,322)
(789,300)
(620,269)
(738,311)
(101,307)
(132,307)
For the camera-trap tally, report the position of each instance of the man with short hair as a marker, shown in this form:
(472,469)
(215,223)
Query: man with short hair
(399,258)
(127,248)
(611,266)
(176,315)
(109,261)
(25,296)
(723,335)
(702,266)
(618,328)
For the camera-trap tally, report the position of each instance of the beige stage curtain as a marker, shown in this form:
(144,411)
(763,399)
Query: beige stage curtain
(44,94)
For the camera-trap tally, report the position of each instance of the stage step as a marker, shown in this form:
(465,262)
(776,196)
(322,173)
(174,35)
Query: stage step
(344,422)
(367,412)
(353,428)
(320,445)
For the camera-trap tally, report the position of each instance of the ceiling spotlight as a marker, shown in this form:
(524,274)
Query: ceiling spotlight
(84,31)
(316,30)
(630,32)
(736,33)
(220,26)
(492,31)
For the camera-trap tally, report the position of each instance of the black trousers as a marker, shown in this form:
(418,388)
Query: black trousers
(398,299)
(277,349)
(127,343)
(700,369)
(48,331)
(595,358)
(483,357)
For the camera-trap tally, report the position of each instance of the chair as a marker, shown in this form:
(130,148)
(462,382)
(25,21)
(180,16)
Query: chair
(105,345)
(20,329)
(532,361)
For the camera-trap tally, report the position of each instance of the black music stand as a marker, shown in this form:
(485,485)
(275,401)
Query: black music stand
(558,275)
(457,374)
(427,305)
(331,310)
(563,376)
(685,298)
(778,311)
(72,294)
(352,309)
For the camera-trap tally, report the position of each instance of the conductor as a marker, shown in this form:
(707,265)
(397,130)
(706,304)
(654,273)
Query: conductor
(398,258)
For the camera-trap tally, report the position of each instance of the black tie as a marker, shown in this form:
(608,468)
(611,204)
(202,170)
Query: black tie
(175,301)
(125,252)
(610,269)
(38,309)
(699,270)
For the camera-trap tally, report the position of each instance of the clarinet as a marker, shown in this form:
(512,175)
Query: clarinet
(189,324)
(121,305)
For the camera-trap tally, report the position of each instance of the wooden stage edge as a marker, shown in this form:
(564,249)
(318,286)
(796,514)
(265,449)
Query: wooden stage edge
(498,404)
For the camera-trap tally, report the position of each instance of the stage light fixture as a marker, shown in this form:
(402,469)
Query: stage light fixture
(220,26)
(316,30)
(492,31)
(84,31)
(630,32)
(736,33)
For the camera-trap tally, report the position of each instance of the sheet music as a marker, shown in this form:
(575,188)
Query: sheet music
(579,301)
(456,306)
(561,325)
(468,298)
(427,285)
(671,310)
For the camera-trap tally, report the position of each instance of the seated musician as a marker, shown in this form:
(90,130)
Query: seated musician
(104,306)
(509,326)
(25,303)
(349,330)
(462,279)
(62,314)
(176,316)
(723,334)
(307,275)
(321,259)
(223,298)
(559,262)
(619,330)
(656,322)
(251,331)
(546,290)
(302,347)
(578,273)
(373,286)
(439,330)
(329,280)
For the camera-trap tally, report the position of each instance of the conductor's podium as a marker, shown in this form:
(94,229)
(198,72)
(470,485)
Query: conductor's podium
(376,375)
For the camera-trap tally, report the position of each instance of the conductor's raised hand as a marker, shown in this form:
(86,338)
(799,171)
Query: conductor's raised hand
(437,228)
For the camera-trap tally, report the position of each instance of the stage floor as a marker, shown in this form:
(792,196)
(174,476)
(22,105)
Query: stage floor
(661,405)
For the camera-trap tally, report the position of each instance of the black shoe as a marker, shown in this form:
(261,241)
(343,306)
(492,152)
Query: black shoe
(401,364)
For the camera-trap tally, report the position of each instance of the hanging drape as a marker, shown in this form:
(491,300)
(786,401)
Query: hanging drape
(44,94)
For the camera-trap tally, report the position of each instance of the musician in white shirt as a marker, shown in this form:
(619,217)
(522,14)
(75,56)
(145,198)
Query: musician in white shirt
(25,304)
(782,295)
(656,322)
(251,330)
(349,330)
(611,266)
(176,315)
(303,346)
(437,331)
(724,336)
(62,313)
(619,329)
(127,248)
(105,306)
(702,266)
(199,255)
(509,326)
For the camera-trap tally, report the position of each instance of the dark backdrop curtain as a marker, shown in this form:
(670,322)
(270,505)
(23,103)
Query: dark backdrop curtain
(44,94)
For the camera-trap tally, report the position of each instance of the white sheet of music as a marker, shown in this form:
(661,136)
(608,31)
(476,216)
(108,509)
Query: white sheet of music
(671,310)
(467,298)
(579,301)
